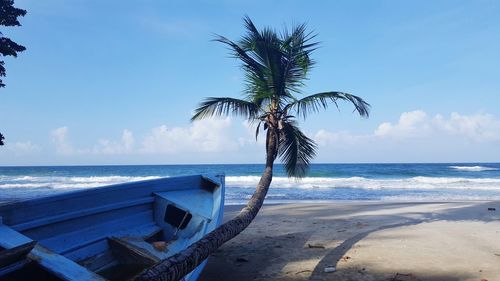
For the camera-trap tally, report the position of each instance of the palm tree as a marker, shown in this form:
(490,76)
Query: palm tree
(275,66)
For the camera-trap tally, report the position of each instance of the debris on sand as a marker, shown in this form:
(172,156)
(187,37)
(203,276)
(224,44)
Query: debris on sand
(303,271)
(345,258)
(330,269)
(404,277)
(316,246)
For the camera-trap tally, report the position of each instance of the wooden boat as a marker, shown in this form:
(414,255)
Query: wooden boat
(108,233)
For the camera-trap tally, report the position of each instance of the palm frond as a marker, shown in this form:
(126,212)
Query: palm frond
(240,53)
(215,107)
(275,65)
(257,131)
(296,150)
(256,71)
(298,47)
(266,47)
(314,103)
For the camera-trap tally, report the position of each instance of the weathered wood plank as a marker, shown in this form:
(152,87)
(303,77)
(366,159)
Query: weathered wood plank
(62,267)
(159,252)
(144,231)
(9,256)
(10,238)
(128,253)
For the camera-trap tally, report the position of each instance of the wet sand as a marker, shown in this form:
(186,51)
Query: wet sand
(364,241)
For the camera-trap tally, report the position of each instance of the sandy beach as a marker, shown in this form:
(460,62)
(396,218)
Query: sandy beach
(364,241)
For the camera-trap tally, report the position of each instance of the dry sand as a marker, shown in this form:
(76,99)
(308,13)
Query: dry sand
(364,241)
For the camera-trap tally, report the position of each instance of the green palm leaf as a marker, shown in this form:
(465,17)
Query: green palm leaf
(216,107)
(298,47)
(314,103)
(296,150)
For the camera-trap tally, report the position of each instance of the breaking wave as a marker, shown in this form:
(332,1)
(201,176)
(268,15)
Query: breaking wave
(367,183)
(472,168)
(420,182)
(284,189)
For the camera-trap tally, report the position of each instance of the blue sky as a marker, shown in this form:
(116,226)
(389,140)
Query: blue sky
(115,82)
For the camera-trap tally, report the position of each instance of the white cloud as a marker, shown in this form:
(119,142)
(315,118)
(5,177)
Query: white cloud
(23,147)
(416,137)
(410,125)
(418,124)
(60,139)
(479,127)
(209,135)
(124,146)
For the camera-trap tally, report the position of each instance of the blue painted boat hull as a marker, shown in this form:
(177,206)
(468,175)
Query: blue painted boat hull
(109,233)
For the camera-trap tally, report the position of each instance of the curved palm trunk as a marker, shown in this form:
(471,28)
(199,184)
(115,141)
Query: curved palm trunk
(180,264)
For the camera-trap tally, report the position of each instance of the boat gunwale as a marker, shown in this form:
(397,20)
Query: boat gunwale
(95,190)
(79,213)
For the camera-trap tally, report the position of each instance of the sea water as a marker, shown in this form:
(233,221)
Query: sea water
(324,182)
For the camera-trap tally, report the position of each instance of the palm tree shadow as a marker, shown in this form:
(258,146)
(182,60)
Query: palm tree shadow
(336,254)
(474,212)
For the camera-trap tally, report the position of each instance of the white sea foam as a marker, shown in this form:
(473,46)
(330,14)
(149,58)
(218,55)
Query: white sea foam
(307,188)
(472,168)
(25,185)
(366,183)
(54,182)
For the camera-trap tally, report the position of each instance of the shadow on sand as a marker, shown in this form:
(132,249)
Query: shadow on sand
(268,250)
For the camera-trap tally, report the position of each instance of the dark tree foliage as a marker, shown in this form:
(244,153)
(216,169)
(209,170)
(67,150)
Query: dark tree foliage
(8,17)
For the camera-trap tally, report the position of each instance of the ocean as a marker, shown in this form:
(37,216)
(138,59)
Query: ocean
(325,182)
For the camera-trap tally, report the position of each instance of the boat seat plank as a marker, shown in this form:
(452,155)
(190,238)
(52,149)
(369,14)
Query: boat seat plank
(144,231)
(203,201)
(15,254)
(128,253)
(61,266)
(148,247)
(9,238)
